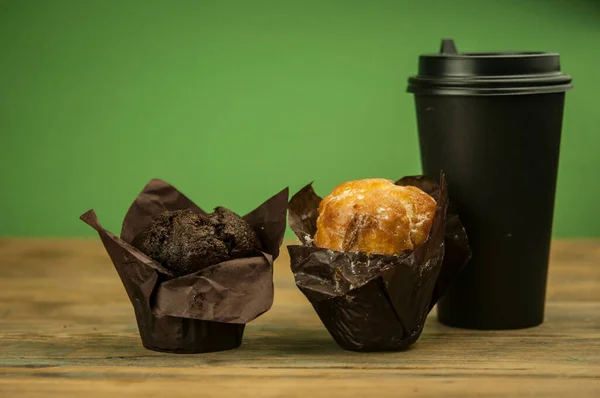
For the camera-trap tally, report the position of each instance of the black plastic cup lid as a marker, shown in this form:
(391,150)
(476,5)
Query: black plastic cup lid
(502,73)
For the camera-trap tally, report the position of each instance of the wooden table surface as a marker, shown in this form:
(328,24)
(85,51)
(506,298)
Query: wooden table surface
(67,329)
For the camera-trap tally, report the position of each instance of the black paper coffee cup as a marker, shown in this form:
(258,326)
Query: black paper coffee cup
(492,122)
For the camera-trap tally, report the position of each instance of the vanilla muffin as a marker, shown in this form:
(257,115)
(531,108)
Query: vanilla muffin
(374,216)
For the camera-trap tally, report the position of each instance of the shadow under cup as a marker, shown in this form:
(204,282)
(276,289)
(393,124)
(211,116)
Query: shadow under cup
(492,122)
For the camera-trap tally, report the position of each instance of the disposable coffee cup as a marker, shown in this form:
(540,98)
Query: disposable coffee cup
(492,122)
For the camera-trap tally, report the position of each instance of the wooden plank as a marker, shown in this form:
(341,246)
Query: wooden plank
(67,329)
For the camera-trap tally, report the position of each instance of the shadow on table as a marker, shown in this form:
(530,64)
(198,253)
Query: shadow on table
(310,342)
(290,341)
(269,347)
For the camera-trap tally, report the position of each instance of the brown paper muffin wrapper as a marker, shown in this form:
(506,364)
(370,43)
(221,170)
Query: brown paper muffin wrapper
(206,310)
(377,302)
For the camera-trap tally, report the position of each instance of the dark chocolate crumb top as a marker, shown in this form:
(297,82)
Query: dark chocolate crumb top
(185,242)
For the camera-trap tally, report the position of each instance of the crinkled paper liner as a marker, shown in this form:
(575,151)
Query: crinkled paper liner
(200,312)
(377,302)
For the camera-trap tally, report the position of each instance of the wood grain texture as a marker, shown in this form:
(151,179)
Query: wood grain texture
(67,330)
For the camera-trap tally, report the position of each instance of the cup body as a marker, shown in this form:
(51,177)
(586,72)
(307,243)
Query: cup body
(500,155)
(492,122)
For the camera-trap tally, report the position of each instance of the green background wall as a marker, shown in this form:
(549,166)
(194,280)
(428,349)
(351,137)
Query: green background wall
(233,100)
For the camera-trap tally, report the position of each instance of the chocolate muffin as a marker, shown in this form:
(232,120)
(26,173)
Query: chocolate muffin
(185,242)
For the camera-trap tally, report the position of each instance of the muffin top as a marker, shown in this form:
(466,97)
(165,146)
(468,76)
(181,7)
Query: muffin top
(374,216)
(185,242)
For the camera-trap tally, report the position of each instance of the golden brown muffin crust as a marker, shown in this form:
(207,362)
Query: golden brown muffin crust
(374,216)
